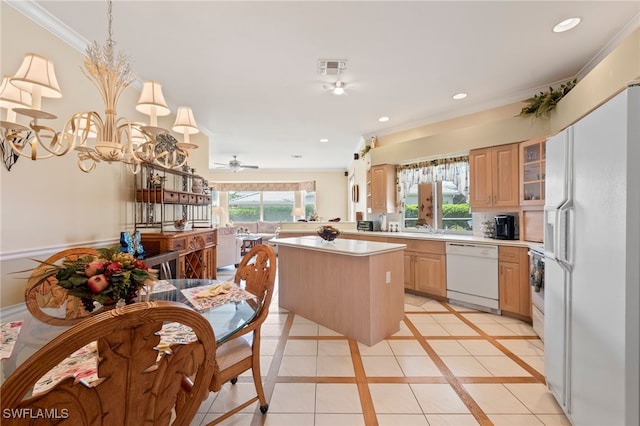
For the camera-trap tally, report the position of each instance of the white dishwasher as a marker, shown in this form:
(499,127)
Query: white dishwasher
(472,275)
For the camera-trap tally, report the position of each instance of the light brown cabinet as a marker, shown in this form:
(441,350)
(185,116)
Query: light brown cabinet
(513,281)
(381,189)
(425,267)
(493,177)
(197,251)
(532,181)
(532,172)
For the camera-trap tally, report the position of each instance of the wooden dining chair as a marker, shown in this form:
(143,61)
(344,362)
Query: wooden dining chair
(136,384)
(44,293)
(257,272)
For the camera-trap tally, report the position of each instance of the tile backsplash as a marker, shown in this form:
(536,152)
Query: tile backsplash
(479,217)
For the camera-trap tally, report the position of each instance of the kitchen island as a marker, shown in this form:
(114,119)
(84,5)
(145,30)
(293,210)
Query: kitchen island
(352,287)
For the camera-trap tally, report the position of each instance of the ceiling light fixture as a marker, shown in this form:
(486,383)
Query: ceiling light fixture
(324,140)
(566,25)
(338,88)
(96,138)
(383,119)
(459,96)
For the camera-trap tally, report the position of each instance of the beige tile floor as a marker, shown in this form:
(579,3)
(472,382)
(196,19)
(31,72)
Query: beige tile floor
(448,365)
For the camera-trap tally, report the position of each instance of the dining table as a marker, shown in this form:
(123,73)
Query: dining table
(227,313)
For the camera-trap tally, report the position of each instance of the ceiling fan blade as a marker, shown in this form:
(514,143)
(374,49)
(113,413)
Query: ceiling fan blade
(222,164)
(248,167)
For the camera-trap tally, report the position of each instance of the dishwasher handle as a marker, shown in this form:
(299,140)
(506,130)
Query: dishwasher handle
(473,250)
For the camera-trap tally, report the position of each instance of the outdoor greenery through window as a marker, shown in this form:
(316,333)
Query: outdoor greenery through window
(455,208)
(454,189)
(270,206)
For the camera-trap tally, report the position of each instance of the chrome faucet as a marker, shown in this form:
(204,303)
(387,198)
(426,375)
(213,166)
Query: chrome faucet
(427,227)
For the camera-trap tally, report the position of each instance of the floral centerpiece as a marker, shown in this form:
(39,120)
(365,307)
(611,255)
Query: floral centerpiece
(107,278)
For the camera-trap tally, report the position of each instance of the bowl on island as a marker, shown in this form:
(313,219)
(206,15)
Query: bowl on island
(328,232)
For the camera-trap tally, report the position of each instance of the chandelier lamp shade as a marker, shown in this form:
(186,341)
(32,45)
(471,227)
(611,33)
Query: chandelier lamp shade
(152,103)
(13,135)
(96,138)
(185,124)
(11,97)
(37,76)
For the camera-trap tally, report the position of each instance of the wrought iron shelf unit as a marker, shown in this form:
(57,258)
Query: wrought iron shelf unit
(166,196)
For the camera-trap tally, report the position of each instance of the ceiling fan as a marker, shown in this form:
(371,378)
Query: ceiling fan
(235,165)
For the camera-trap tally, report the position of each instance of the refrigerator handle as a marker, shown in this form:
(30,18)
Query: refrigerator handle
(563,253)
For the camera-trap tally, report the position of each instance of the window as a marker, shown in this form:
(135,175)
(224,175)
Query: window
(245,206)
(271,206)
(454,189)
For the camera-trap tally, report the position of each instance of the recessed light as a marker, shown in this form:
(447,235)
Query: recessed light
(323,140)
(566,25)
(383,119)
(458,96)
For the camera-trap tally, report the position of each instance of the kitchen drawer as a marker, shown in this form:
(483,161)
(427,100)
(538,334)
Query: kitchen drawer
(177,244)
(210,238)
(192,199)
(433,247)
(509,254)
(171,197)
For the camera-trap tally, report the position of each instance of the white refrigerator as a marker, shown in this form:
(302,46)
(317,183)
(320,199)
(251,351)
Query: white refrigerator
(592,257)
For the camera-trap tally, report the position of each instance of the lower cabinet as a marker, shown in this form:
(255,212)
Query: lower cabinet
(425,267)
(429,271)
(513,281)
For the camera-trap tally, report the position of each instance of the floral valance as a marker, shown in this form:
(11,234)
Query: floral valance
(309,186)
(454,169)
(432,163)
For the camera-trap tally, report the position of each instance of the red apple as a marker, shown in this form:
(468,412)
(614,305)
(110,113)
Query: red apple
(93,268)
(97,283)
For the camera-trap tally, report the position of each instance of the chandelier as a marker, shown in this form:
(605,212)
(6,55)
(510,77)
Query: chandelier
(95,138)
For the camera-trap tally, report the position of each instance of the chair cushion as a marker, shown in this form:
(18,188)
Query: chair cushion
(232,352)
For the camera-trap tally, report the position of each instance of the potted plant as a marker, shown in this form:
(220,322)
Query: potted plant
(543,103)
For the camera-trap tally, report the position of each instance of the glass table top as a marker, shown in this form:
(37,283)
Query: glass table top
(225,318)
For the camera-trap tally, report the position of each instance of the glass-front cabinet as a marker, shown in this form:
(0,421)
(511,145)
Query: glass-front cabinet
(532,172)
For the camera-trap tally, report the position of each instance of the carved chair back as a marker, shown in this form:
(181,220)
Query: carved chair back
(44,293)
(137,385)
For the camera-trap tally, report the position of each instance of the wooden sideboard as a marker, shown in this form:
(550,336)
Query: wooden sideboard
(197,250)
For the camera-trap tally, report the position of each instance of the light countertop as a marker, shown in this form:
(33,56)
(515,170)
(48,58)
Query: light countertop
(340,245)
(446,237)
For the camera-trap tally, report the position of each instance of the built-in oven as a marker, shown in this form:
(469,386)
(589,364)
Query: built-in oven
(536,279)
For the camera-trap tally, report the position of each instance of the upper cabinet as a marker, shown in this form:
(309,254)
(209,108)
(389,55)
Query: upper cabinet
(493,177)
(532,160)
(381,189)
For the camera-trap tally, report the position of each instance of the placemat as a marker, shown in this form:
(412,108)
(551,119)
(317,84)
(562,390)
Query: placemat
(9,336)
(235,294)
(159,286)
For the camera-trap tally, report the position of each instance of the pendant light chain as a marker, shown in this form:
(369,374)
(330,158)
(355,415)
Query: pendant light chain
(110,41)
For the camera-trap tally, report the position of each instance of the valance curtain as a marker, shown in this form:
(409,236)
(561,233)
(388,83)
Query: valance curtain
(309,186)
(454,169)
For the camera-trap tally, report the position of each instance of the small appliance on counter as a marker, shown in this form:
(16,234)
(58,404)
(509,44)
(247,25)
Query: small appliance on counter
(367,225)
(505,227)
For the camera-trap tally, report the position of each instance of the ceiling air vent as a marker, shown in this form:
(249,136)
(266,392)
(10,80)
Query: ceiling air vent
(331,66)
